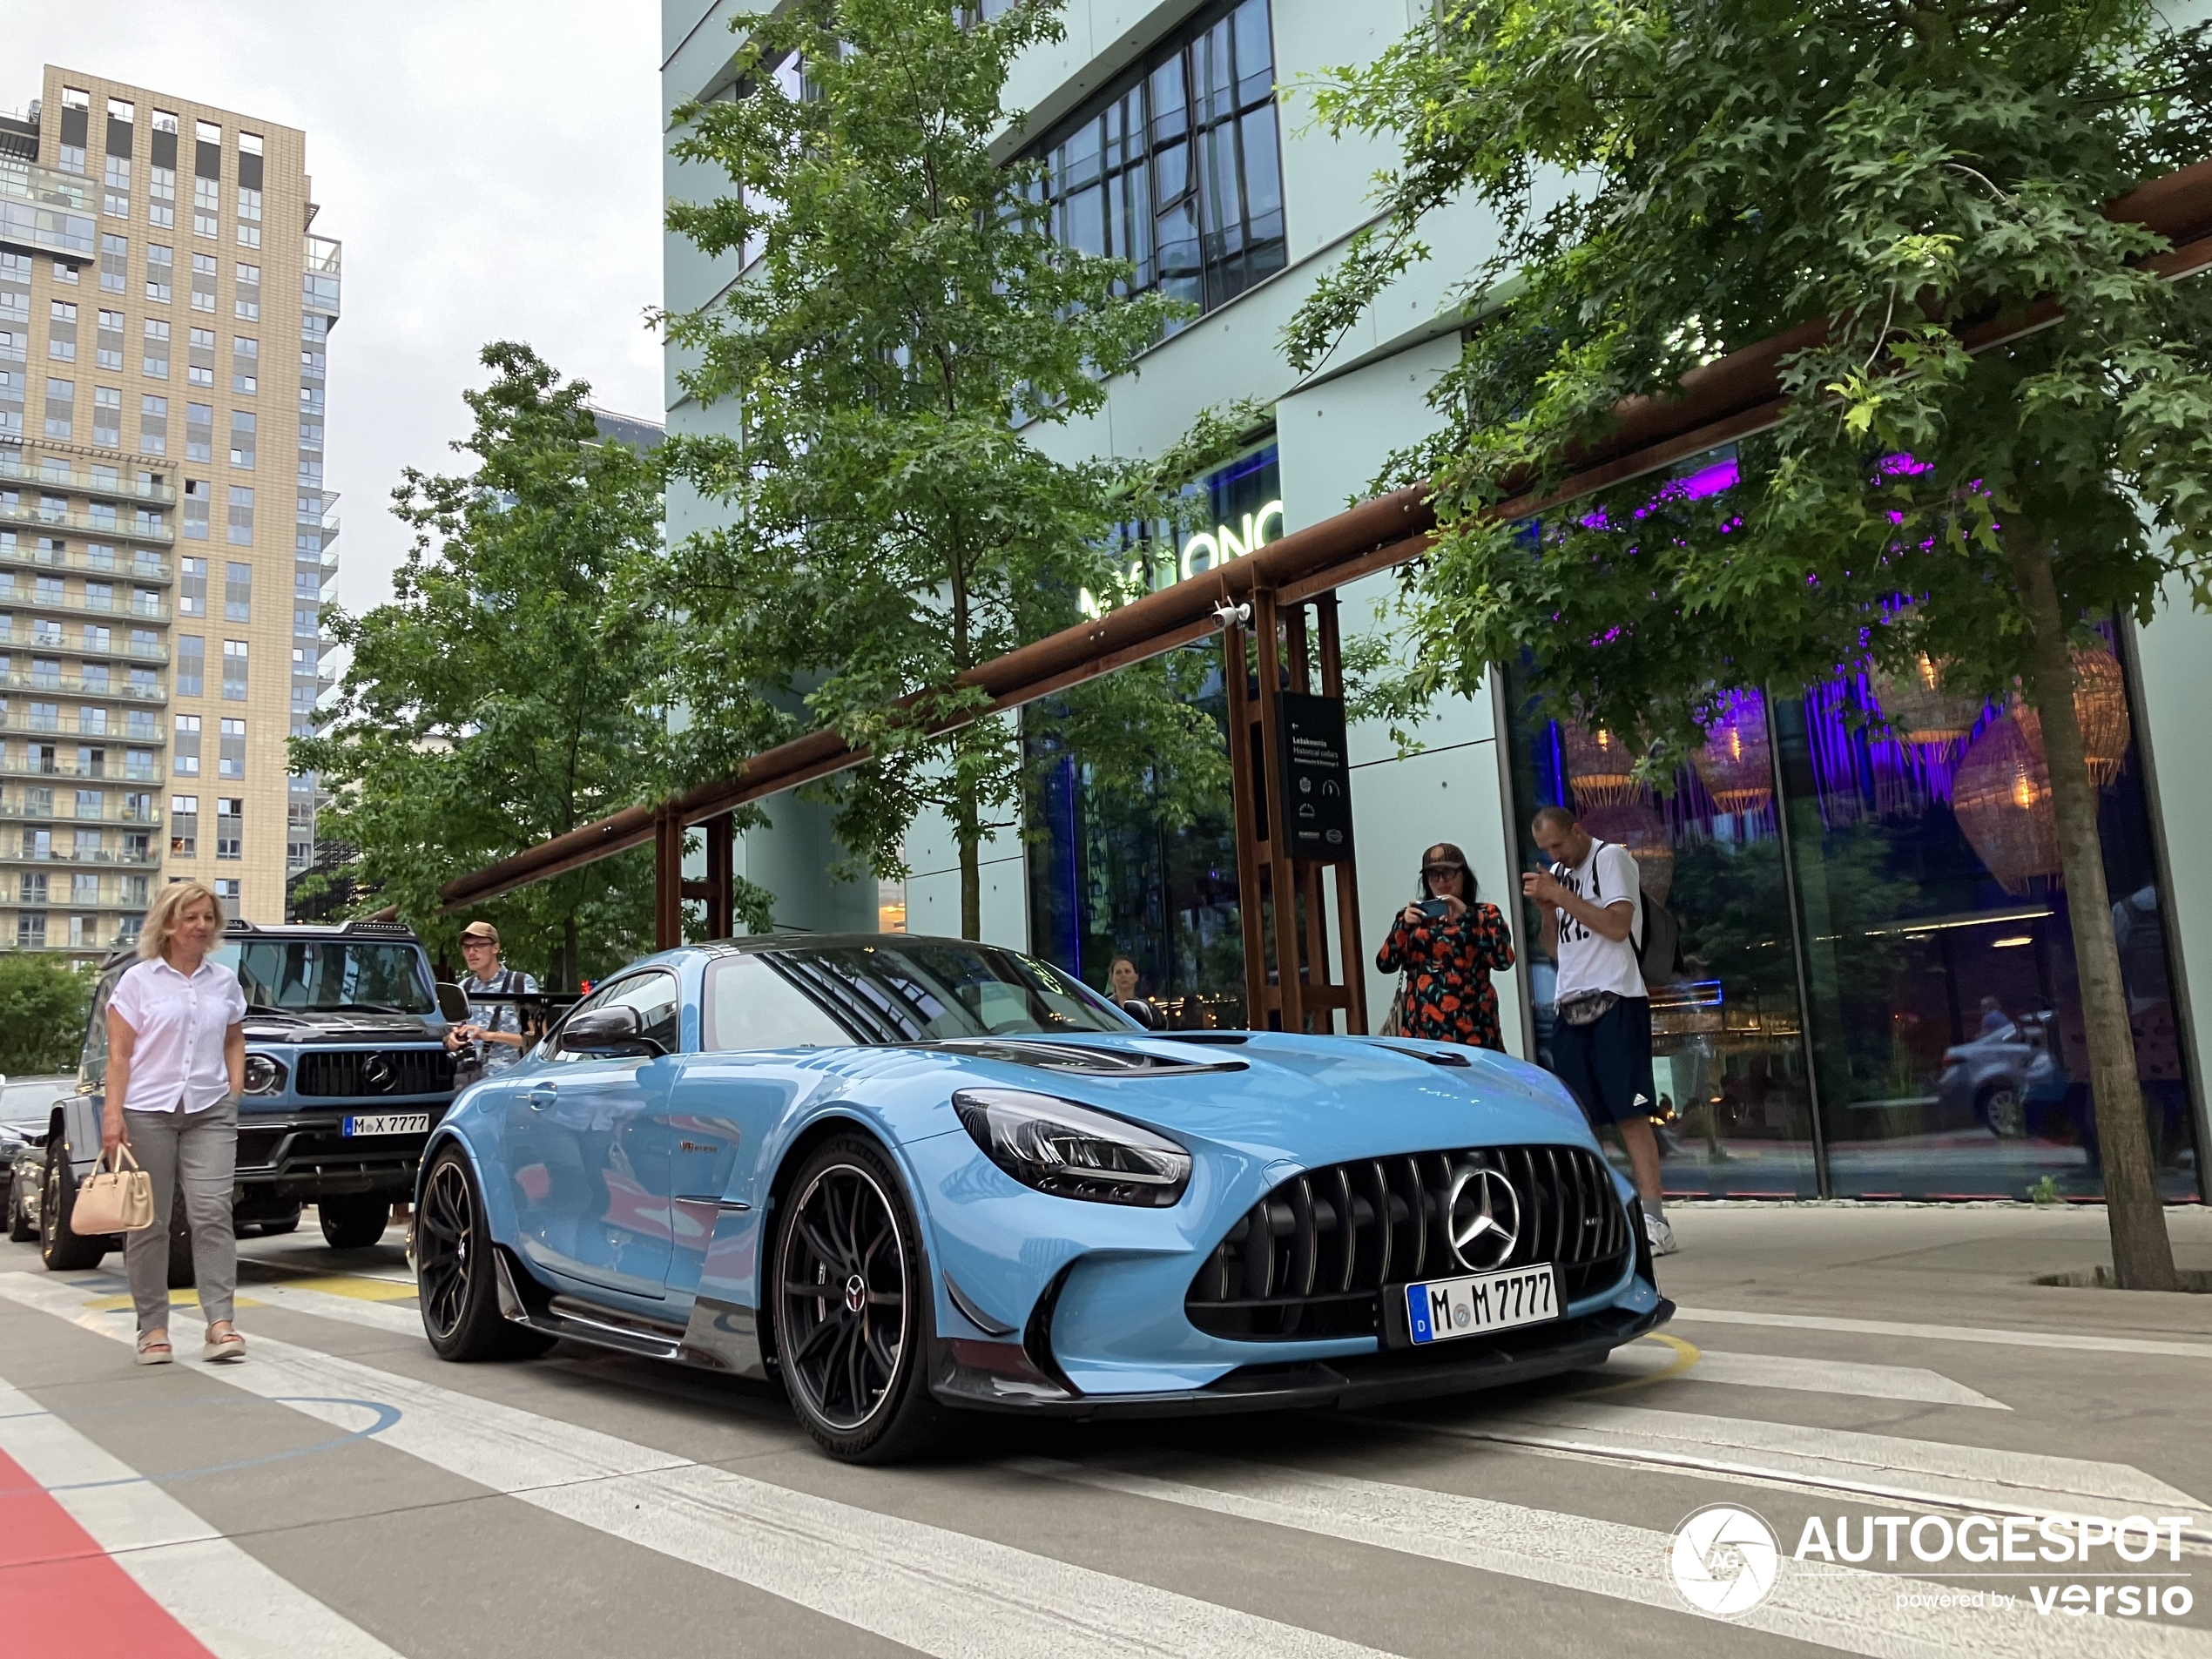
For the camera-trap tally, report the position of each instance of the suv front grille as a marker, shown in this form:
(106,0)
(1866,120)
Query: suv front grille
(1311,1257)
(352,1073)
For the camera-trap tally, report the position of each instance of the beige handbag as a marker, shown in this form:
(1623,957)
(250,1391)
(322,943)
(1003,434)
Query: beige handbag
(113,1201)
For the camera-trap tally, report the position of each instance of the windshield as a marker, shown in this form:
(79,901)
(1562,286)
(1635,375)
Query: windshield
(308,974)
(926,993)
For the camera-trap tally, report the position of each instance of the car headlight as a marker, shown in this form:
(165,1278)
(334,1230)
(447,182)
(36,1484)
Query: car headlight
(263,1074)
(1072,1152)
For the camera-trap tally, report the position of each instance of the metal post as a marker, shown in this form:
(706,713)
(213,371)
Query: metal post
(1243,793)
(721,876)
(1355,957)
(1797,948)
(668,879)
(1290,992)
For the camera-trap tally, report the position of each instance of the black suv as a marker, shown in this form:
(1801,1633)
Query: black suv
(345,1075)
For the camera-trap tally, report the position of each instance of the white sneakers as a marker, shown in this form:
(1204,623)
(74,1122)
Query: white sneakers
(1660,1235)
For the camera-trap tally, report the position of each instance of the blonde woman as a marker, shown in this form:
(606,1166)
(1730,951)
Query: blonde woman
(176,1039)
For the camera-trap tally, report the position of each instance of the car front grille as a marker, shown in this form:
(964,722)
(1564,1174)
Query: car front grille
(1311,1258)
(354,1073)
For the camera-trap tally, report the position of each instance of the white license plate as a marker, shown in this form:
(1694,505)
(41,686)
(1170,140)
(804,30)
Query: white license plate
(1440,1309)
(389,1124)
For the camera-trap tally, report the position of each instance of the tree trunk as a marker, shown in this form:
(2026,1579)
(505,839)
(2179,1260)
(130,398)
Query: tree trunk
(971,865)
(2143,1259)
(562,969)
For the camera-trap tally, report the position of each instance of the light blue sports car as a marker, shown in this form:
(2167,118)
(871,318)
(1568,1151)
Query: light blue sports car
(907,1176)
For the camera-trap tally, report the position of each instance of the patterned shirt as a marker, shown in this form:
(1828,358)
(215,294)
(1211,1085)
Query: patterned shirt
(498,1016)
(1447,961)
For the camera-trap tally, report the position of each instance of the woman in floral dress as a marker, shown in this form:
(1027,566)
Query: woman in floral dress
(1447,960)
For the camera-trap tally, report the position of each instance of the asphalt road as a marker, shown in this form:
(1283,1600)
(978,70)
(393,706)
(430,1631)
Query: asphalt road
(344,1493)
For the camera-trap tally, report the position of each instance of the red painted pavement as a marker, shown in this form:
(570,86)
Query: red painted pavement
(61,1594)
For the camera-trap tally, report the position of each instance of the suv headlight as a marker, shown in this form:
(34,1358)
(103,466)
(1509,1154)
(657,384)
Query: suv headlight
(1072,1152)
(263,1074)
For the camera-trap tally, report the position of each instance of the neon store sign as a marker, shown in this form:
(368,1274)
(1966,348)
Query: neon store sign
(1202,551)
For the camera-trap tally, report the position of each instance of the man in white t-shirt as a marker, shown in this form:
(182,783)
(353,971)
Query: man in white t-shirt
(1592,903)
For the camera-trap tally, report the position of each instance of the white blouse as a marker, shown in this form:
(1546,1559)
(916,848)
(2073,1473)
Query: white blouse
(177,1061)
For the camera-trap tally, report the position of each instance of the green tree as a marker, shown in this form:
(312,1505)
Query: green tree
(909,328)
(43,1002)
(501,696)
(1901,183)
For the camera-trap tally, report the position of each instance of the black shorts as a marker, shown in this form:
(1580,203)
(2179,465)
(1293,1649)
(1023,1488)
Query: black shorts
(1608,1062)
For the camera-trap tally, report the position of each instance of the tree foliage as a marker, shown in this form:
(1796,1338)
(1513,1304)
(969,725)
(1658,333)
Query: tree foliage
(503,695)
(909,329)
(43,1002)
(1996,420)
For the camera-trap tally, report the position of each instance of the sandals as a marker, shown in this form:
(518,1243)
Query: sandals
(229,1346)
(154,1353)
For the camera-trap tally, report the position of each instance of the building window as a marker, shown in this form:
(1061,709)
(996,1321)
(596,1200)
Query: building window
(31,925)
(203,283)
(303,626)
(61,408)
(227,890)
(245,365)
(245,297)
(234,670)
(108,352)
(199,365)
(195,513)
(1179,169)
(199,445)
(243,425)
(192,585)
(192,665)
(183,744)
(153,426)
(115,264)
(238,592)
(61,331)
(230,815)
(107,416)
(161,272)
(241,516)
(161,197)
(154,362)
(184,826)
(115,198)
(77,119)
(207,205)
(230,757)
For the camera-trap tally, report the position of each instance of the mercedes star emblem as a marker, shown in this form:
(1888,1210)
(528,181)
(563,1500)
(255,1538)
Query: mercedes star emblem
(856,1294)
(1483,1217)
(377,1074)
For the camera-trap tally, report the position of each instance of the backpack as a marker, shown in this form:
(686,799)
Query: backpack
(1659,951)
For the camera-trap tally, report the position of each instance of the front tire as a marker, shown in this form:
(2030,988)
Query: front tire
(455,1272)
(2004,1112)
(853,1307)
(354,1221)
(60,1248)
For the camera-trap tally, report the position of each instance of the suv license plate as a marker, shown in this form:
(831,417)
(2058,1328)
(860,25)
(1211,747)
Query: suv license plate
(389,1124)
(1439,1309)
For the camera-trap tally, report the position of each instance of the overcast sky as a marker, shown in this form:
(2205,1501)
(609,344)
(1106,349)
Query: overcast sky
(491,165)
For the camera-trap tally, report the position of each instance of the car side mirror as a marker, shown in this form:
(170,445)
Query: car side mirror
(609,1031)
(453,1003)
(1142,1012)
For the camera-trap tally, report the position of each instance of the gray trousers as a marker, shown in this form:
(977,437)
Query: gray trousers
(201,1148)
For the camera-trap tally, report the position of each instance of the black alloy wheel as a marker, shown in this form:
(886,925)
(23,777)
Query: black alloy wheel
(851,1307)
(455,1274)
(62,1249)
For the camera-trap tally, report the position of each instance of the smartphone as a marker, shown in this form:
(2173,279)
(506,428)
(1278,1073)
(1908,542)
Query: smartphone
(1434,907)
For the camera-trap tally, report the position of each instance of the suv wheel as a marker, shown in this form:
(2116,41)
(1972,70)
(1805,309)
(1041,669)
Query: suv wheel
(455,1271)
(355,1221)
(852,1324)
(62,1249)
(21,1229)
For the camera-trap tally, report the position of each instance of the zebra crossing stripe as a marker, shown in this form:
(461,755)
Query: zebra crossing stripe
(943,1593)
(1653,1357)
(2081,1342)
(80,1520)
(1846,1608)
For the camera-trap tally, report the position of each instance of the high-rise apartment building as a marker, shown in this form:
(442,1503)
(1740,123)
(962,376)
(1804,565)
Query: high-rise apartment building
(165,533)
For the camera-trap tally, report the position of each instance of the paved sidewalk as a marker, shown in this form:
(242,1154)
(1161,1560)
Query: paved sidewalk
(1971,1265)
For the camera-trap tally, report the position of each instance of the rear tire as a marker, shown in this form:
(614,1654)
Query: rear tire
(852,1300)
(355,1221)
(456,1271)
(2003,1112)
(20,1230)
(60,1248)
